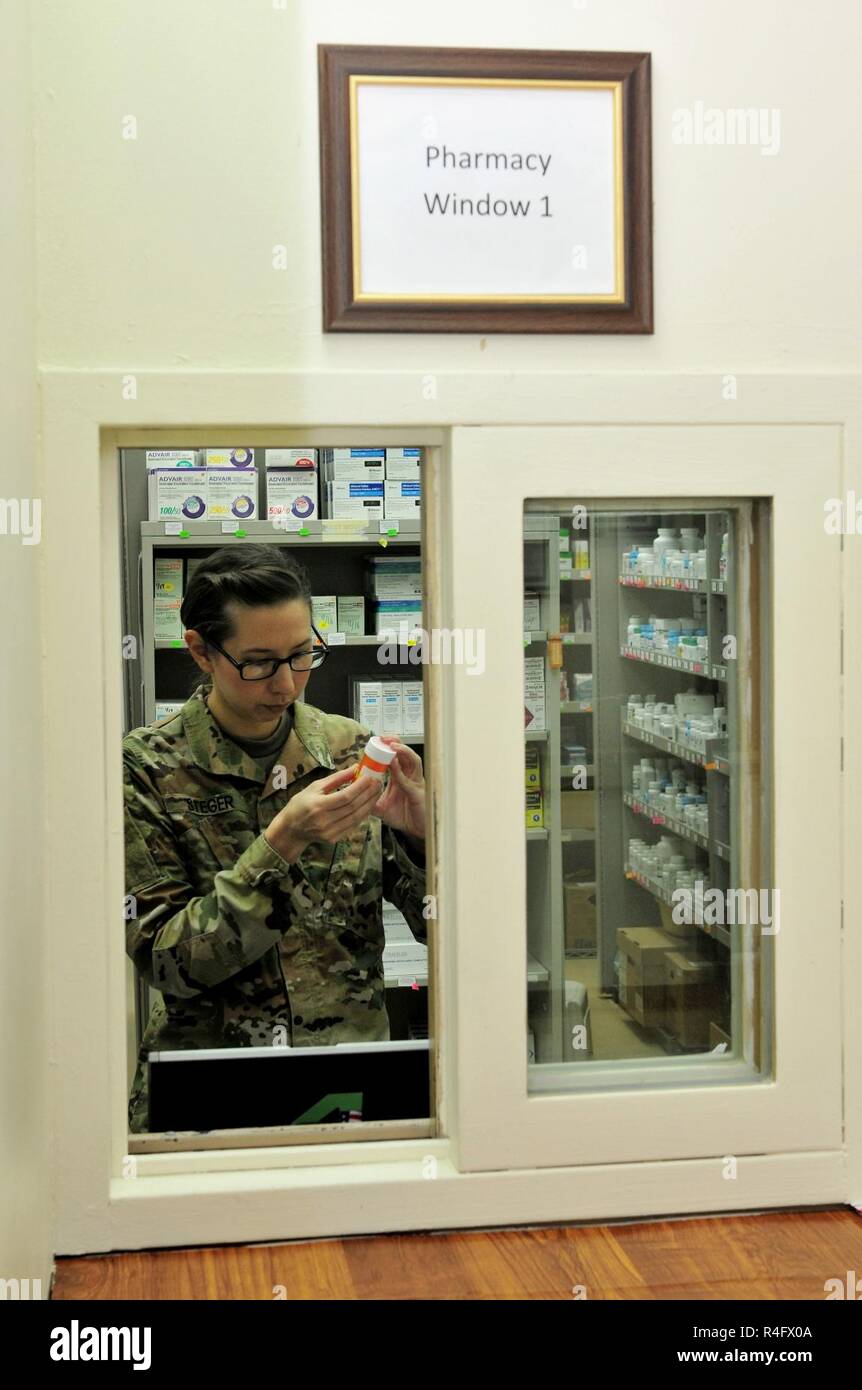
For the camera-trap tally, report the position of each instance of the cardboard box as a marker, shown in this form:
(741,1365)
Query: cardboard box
(172,458)
(583,687)
(324,613)
(351,614)
(580,914)
(368,703)
(355,471)
(306,459)
(578,810)
(177,494)
(402,499)
(232,494)
(534,692)
(398,470)
(395,488)
(643,973)
(410,454)
(392,707)
(565,556)
(412,696)
(403,509)
(532,613)
(166,709)
(401,578)
(167,623)
(354,499)
(168,580)
(396,620)
(228,458)
(579,1045)
(692,997)
(532,769)
(345,455)
(291,493)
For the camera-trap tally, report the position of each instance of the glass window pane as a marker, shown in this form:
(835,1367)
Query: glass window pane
(253,946)
(650,915)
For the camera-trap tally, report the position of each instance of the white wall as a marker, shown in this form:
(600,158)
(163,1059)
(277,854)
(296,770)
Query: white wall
(25,1189)
(157,251)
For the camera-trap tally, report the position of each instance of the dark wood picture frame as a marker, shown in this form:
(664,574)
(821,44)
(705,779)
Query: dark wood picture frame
(344,313)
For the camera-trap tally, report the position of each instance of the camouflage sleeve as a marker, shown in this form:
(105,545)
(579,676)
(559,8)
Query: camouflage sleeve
(183,944)
(404,878)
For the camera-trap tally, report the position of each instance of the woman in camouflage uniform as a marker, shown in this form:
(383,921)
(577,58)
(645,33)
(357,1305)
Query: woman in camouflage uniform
(255,863)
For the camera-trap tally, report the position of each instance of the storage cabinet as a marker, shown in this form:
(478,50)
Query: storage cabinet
(640,754)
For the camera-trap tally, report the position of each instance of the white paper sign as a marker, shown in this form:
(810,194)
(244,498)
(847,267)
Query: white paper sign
(470,189)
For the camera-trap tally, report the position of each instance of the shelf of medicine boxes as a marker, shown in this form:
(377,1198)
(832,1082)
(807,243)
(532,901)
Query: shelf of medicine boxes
(322,531)
(688,586)
(714,762)
(665,895)
(708,670)
(679,827)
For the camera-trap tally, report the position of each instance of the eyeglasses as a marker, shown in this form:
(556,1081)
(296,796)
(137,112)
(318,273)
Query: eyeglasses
(263,670)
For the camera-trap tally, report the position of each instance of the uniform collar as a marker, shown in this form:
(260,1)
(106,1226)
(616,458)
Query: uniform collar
(215,751)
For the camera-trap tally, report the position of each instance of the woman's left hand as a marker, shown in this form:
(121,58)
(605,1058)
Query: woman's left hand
(402,805)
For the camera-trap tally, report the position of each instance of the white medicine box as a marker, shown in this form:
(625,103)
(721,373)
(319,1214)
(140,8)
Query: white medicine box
(232,494)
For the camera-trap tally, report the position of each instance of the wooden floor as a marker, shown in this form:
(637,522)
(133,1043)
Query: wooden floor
(776,1255)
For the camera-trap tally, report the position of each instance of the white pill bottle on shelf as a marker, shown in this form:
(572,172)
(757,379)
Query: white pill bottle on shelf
(665,540)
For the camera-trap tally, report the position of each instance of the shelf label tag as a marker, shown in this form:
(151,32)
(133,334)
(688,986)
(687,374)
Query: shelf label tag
(173,528)
(336,639)
(343,526)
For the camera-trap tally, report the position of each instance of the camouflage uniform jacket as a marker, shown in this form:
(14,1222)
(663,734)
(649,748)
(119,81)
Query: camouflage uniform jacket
(237,940)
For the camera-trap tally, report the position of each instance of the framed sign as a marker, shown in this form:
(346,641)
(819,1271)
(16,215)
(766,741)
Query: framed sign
(485,191)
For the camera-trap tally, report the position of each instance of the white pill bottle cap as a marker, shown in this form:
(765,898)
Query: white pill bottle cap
(379,751)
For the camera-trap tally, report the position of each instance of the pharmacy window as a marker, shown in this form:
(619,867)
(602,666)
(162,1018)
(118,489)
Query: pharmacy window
(651,915)
(277,907)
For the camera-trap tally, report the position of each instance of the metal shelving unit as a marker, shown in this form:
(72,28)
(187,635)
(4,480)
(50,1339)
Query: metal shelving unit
(549,848)
(624,894)
(545,935)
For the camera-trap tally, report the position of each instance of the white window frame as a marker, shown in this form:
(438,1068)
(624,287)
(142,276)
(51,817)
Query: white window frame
(650,1112)
(102,1202)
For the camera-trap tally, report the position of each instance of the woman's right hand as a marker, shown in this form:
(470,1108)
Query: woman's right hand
(326,810)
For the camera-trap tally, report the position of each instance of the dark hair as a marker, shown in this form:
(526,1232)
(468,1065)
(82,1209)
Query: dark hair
(254,575)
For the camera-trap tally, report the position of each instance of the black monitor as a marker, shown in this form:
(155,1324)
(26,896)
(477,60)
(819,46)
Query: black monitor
(252,1087)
